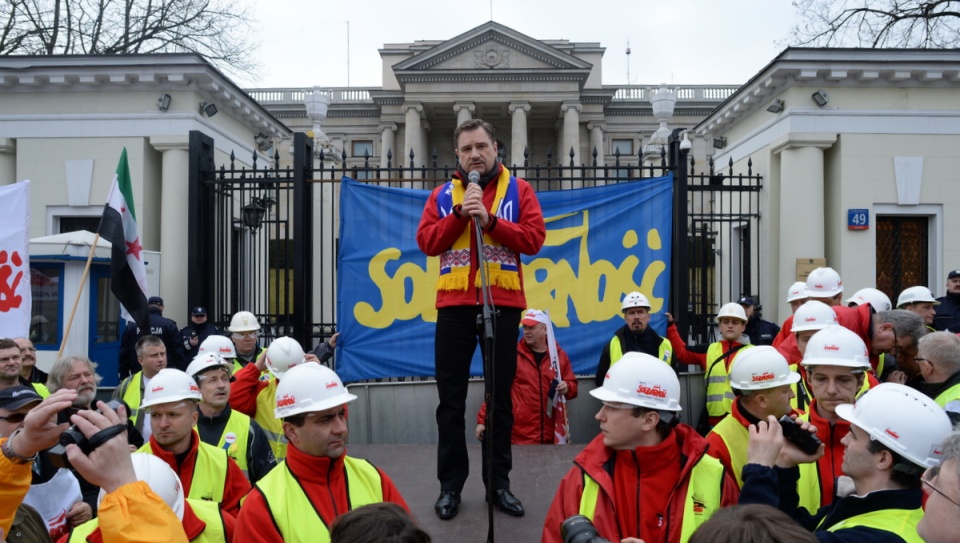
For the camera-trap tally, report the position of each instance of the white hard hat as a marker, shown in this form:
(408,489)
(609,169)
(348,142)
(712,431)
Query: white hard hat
(220,345)
(170,385)
(836,346)
(915,295)
(642,380)
(161,478)
(282,355)
(634,299)
(761,368)
(797,291)
(872,296)
(733,309)
(823,283)
(309,388)
(813,315)
(204,361)
(905,420)
(243,321)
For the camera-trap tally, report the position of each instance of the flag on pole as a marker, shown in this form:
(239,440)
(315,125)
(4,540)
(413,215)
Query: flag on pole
(118,225)
(561,424)
(15,294)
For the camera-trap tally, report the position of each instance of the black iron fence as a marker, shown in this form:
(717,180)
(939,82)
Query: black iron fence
(257,225)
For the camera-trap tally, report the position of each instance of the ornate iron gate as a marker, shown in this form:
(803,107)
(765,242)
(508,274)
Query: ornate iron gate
(251,238)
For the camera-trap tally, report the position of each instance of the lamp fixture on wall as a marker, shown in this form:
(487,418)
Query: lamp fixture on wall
(719,142)
(263,143)
(163,102)
(208,109)
(685,144)
(254,212)
(776,106)
(820,97)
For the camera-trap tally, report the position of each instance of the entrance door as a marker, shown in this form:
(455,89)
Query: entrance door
(105,325)
(903,257)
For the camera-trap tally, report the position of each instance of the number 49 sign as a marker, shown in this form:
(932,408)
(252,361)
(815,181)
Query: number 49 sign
(858,219)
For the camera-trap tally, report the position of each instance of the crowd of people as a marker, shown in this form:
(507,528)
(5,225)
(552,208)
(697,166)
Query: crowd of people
(836,425)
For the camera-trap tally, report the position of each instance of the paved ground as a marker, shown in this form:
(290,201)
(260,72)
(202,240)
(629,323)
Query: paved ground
(537,470)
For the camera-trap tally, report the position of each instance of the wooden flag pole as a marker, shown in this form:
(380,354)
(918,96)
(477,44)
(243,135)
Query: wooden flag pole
(76,301)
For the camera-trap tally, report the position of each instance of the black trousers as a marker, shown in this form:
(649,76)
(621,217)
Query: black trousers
(456,341)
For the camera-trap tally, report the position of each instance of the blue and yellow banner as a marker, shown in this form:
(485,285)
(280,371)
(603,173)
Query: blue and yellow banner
(602,243)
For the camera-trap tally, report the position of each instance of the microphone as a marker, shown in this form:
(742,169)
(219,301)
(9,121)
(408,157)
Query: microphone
(474,177)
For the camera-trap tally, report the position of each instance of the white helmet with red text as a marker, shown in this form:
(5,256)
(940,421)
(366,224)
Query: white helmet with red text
(634,299)
(837,346)
(308,388)
(813,315)
(641,380)
(220,345)
(872,296)
(797,291)
(761,368)
(170,385)
(823,283)
(734,310)
(284,354)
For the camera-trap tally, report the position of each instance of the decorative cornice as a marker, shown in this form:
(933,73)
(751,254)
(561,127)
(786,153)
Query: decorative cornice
(488,76)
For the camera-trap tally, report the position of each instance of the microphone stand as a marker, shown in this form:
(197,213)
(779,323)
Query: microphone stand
(486,324)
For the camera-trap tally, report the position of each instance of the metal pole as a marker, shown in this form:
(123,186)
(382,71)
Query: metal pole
(680,280)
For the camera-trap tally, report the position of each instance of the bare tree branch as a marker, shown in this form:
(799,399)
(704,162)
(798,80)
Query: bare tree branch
(219,30)
(877,23)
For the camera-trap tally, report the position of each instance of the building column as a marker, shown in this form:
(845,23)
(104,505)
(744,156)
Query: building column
(518,131)
(173,229)
(8,161)
(596,142)
(387,139)
(464,111)
(571,133)
(802,217)
(411,134)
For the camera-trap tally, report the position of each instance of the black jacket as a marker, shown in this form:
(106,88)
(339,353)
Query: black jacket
(761,332)
(260,458)
(203,331)
(161,327)
(778,488)
(647,342)
(948,313)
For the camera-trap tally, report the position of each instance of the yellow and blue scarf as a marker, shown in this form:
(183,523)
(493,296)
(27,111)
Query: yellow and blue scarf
(502,263)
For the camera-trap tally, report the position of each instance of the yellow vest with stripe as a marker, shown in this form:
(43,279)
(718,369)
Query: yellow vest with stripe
(239,425)
(131,396)
(209,472)
(294,515)
(41,389)
(719,394)
(809,488)
(208,512)
(239,365)
(902,522)
(947,396)
(664,352)
(702,500)
(272,426)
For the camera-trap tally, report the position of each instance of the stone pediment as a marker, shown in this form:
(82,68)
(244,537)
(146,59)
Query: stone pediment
(491,46)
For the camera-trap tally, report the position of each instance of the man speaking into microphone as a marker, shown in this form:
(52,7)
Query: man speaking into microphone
(481,194)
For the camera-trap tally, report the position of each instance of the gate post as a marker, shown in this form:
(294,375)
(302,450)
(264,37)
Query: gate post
(303,239)
(200,223)
(680,265)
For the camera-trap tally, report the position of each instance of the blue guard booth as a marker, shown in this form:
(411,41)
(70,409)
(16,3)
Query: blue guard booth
(56,270)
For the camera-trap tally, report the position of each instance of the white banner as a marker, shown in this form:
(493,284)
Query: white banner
(15,298)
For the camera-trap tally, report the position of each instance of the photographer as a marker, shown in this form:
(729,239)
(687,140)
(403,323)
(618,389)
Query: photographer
(645,476)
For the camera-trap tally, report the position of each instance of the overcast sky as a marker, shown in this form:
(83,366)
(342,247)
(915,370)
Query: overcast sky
(304,42)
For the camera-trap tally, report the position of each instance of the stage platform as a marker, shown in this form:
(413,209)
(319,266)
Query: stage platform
(537,470)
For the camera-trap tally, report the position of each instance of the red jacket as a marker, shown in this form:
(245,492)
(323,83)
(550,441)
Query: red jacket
(531,425)
(685,356)
(435,235)
(322,478)
(244,391)
(828,466)
(857,319)
(595,460)
(235,486)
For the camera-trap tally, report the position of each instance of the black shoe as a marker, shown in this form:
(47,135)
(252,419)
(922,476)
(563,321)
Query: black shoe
(508,503)
(447,505)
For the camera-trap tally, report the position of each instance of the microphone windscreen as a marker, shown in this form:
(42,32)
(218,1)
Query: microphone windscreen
(474,177)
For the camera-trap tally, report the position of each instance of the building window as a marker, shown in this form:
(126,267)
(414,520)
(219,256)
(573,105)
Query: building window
(45,289)
(362,149)
(76,224)
(624,146)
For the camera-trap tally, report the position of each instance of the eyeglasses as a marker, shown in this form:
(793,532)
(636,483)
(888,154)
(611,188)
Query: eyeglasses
(241,335)
(15,418)
(931,474)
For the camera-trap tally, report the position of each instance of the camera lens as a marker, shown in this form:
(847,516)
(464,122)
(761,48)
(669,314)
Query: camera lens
(579,529)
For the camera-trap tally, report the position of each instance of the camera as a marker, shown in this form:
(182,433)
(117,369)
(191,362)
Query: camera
(579,529)
(58,453)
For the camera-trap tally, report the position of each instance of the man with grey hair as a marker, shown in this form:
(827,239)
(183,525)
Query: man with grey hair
(895,334)
(76,372)
(941,519)
(939,362)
